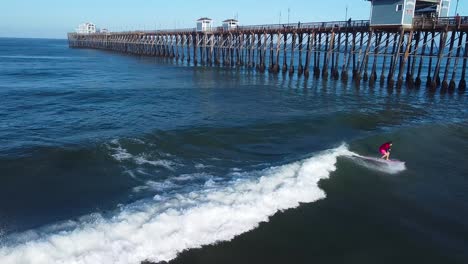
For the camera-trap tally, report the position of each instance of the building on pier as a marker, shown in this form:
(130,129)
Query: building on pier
(86,28)
(204,24)
(432,8)
(402,12)
(230,24)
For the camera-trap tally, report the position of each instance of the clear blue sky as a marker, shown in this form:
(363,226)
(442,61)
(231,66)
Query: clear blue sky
(54,18)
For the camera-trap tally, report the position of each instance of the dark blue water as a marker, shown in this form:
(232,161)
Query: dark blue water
(108,158)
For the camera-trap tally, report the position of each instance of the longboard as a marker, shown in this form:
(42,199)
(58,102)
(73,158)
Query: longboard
(380,160)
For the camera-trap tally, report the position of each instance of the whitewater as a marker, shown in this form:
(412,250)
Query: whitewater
(159,229)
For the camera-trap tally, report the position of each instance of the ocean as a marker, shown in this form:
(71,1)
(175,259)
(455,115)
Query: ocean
(109,158)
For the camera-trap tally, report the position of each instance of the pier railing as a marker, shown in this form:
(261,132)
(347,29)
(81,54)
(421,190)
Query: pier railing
(255,28)
(310,25)
(430,23)
(418,23)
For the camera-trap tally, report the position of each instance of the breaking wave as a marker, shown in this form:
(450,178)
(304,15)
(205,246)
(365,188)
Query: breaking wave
(160,228)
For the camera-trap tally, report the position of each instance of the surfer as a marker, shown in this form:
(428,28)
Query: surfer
(385,150)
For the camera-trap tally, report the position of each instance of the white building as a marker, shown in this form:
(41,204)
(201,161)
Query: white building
(204,24)
(230,24)
(86,28)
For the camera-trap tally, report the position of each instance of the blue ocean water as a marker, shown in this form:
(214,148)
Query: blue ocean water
(108,158)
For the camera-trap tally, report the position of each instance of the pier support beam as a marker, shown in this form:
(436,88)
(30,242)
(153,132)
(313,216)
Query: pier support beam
(396,53)
(452,84)
(410,75)
(265,41)
(436,78)
(462,83)
(317,47)
(271,51)
(445,84)
(364,63)
(326,57)
(307,61)
(421,60)
(335,71)
(293,46)
(300,68)
(195,49)
(431,54)
(278,48)
(373,75)
(405,59)
(285,54)
(344,70)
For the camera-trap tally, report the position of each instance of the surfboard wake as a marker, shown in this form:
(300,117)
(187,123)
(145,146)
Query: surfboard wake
(387,166)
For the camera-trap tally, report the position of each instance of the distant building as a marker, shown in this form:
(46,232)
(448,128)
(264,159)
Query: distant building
(204,24)
(230,24)
(86,28)
(104,30)
(402,12)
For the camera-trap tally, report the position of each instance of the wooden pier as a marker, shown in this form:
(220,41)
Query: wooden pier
(431,52)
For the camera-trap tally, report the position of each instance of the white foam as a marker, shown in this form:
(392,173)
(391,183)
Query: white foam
(200,166)
(140,160)
(140,189)
(159,229)
(129,172)
(390,167)
(192,176)
(161,186)
(121,154)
